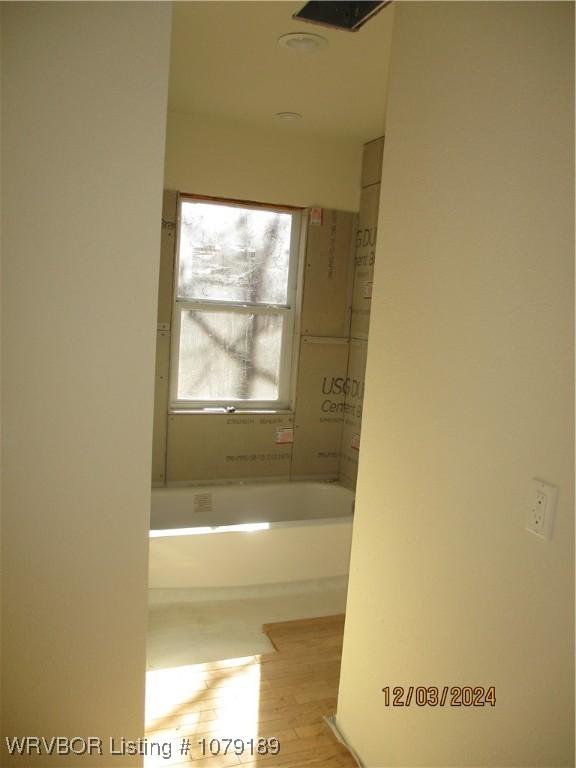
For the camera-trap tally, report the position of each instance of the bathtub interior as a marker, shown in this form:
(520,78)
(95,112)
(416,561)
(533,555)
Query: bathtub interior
(205,506)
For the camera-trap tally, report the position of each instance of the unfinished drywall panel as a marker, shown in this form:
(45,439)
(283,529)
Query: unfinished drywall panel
(160,407)
(165,293)
(364,261)
(350,449)
(216,447)
(328,275)
(167,251)
(372,162)
(320,404)
(363,267)
(469,395)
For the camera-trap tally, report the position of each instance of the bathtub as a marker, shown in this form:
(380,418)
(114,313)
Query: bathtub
(249,534)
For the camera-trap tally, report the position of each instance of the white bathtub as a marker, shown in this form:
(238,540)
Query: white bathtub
(243,535)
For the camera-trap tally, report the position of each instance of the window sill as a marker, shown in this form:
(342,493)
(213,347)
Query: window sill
(223,412)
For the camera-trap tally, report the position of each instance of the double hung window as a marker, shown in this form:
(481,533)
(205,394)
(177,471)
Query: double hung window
(234,305)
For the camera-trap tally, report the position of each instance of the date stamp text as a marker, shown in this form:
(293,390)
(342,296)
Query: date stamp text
(445,696)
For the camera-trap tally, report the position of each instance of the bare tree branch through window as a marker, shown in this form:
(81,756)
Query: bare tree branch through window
(233,302)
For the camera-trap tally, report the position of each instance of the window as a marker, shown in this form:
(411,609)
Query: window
(234,305)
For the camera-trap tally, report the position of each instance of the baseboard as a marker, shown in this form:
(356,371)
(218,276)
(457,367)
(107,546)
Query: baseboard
(332,723)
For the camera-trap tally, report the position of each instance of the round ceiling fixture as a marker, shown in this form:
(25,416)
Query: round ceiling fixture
(288,116)
(302,41)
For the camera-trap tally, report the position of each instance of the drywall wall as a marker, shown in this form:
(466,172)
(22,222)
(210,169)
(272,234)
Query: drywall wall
(364,260)
(364,257)
(1,707)
(353,404)
(84,89)
(319,406)
(469,395)
(215,447)
(304,443)
(208,155)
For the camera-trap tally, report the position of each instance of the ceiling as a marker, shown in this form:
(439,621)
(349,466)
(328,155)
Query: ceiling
(226,62)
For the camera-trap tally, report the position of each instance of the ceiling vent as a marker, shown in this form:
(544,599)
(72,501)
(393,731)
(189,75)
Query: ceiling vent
(342,15)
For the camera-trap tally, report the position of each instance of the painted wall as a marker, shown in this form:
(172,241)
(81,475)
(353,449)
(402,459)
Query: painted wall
(210,156)
(84,90)
(469,395)
(1,617)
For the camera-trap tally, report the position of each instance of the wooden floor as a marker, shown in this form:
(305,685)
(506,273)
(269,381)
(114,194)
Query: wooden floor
(283,695)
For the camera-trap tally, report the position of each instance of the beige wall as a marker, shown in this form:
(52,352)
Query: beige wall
(469,395)
(210,156)
(84,91)
(1,617)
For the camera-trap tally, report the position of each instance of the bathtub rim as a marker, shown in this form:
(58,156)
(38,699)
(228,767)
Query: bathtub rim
(238,528)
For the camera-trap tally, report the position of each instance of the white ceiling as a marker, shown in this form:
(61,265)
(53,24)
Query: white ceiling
(226,62)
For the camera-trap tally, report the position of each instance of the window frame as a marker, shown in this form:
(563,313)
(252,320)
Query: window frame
(290,312)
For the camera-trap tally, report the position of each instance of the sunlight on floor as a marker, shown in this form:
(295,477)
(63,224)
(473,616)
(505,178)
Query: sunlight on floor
(242,696)
(184,705)
(167,690)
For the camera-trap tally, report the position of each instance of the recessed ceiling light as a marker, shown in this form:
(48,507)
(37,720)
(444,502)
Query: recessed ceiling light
(288,116)
(302,41)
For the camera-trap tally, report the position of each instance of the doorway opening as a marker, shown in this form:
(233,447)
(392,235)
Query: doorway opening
(263,321)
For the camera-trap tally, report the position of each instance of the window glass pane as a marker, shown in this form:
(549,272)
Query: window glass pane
(229,253)
(229,356)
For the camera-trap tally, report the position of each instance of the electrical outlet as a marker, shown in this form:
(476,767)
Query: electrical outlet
(540,518)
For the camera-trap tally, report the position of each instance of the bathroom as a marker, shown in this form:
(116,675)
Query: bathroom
(469,393)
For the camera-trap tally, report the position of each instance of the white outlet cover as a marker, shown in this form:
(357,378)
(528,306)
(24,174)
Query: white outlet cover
(541,508)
